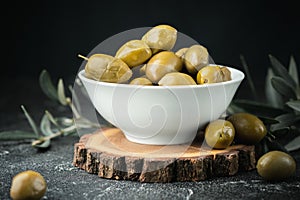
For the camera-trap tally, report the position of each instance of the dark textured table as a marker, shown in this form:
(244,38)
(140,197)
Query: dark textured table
(67,182)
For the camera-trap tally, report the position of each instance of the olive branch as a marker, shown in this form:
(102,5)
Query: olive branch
(51,127)
(281,110)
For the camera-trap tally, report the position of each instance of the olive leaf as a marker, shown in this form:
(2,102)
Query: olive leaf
(283,87)
(293,70)
(272,96)
(295,104)
(257,108)
(61,92)
(47,85)
(30,120)
(285,120)
(293,145)
(268,120)
(43,145)
(17,135)
(51,118)
(45,126)
(281,71)
(249,77)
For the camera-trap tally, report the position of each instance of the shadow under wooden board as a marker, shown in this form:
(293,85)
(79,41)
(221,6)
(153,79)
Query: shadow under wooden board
(109,154)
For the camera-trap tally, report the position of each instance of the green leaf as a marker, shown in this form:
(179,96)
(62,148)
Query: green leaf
(43,145)
(281,71)
(268,120)
(272,96)
(293,145)
(51,118)
(258,108)
(293,70)
(31,122)
(273,145)
(294,105)
(47,85)
(61,92)
(45,126)
(285,120)
(16,135)
(283,87)
(249,77)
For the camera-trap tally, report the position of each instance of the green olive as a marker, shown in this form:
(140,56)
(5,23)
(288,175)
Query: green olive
(249,128)
(213,74)
(134,53)
(219,134)
(102,67)
(176,78)
(276,165)
(28,185)
(140,81)
(195,58)
(162,63)
(161,37)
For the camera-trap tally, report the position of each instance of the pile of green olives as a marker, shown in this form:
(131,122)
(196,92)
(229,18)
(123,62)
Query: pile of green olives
(244,128)
(158,64)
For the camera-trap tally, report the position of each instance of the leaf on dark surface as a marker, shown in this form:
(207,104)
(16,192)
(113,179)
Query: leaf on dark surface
(294,105)
(257,108)
(45,126)
(47,86)
(61,92)
(281,71)
(285,120)
(293,145)
(31,121)
(43,145)
(273,145)
(293,71)
(249,77)
(16,135)
(283,87)
(272,96)
(268,120)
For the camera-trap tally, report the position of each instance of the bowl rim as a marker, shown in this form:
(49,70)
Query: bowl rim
(239,77)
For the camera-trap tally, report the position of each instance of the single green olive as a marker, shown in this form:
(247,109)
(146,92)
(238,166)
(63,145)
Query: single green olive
(195,58)
(28,185)
(249,128)
(276,165)
(176,78)
(219,134)
(161,37)
(140,81)
(162,63)
(134,53)
(213,74)
(102,67)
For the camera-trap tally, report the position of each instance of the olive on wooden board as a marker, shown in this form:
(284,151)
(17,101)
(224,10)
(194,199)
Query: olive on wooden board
(162,63)
(176,78)
(276,165)
(28,185)
(219,134)
(195,58)
(134,53)
(140,81)
(102,67)
(160,38)
(213,74)
(249,128)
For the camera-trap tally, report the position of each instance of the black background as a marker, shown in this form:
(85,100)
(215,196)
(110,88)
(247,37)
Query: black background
(49,34)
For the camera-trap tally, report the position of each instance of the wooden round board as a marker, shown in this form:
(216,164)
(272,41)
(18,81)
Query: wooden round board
(109,154)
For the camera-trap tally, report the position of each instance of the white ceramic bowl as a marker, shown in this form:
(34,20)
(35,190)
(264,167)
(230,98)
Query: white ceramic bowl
(161,115)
